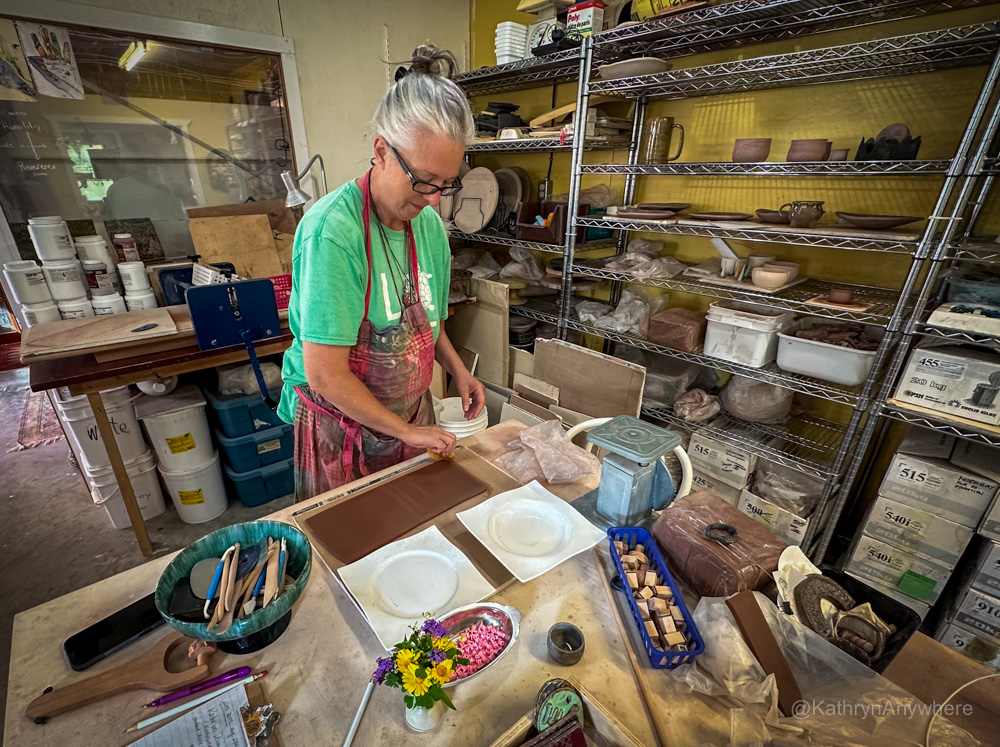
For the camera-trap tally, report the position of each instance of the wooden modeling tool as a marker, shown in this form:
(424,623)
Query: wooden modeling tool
(148,671)
(271,582)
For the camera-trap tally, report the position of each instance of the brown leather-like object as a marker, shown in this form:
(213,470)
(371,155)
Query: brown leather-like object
(709,567)
(353,528)
(757,633)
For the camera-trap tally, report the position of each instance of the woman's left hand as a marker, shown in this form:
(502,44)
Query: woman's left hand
(473,394)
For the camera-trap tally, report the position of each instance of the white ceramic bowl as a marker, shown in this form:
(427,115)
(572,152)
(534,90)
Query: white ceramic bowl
(770,279)
(791,267)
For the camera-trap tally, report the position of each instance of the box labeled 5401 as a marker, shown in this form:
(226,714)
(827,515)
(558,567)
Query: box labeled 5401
(956,381)
(914,576)
(937,487)
(921,532)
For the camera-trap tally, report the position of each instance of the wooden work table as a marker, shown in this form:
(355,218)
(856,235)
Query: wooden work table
(321,665)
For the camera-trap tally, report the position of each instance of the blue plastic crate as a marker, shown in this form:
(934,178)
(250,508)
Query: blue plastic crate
(259,449)
(260,485)
(241,414)
(598,234)
(657,658)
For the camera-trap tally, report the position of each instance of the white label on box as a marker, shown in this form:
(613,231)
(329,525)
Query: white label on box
(971,645)
(937,487)
(783,523)
(272,445)
(980,614)
(920,532)
(728,493)
(729,464)
(914,576)
(958,383)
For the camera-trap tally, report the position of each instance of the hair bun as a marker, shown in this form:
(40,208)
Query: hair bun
(429,60)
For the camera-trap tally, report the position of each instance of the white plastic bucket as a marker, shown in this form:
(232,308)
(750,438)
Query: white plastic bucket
(65,280)
(37,313)
(198,494)
(76,413)
(75,309)
(145,484)
(112,304)
(182,438)
(27,282)
(133,276)
(141,300)
(51,237)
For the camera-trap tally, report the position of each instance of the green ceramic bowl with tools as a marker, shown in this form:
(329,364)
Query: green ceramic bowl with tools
(254,629)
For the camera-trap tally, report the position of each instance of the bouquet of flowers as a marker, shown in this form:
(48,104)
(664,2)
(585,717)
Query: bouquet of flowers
(420,665)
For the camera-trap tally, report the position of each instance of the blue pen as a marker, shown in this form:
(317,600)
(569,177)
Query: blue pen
(216,577)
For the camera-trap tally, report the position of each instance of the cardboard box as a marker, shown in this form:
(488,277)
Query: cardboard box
(898,569)
(921,608)
(922,533)
(645,9)
(979,613)
(585,18)
(954,381)
(923,442)
(989,527)
(979,459)
(984,568)
(729,464)
(936,486)
(701,481)
(783,523)
(968,644)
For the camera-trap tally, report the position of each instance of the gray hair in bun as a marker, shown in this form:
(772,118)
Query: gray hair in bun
(425,99)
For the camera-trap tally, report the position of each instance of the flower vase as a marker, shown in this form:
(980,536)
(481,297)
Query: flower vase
(425,719)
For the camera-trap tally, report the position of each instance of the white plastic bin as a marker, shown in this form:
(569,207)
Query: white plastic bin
(744,333)
(177,428)
(824,361)
(199,495)
(75,412)
(145,484)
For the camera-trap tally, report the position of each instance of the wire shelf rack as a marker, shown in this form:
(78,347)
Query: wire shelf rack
(745,22)
(941,424)
(527,73)
(776,168)
(540,311)
(898,55)
(542,145)
(808,444)
(957,335)
(978,249)
(510,241)
(843,239)
(882,300)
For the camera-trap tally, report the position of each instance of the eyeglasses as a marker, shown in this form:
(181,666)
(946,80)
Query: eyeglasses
(426,188)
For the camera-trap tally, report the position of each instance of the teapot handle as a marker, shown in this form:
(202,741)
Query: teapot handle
(782,208)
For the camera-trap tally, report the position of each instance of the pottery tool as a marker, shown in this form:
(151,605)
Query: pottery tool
(281,565)
(442,456)
(196,702)
(148,671)
(202,576)
(216,579)
(271,582)
(255,582)
(188,691)
(249,557)
(357,716)
(228,572)
(645,693)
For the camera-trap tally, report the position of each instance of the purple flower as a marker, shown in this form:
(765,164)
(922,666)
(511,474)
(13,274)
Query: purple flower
(437,656)
(384,666)
(434,628)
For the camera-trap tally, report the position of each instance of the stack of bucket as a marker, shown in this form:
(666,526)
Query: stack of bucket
(189,464)
(81,429)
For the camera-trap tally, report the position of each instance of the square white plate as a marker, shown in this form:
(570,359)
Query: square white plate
(395,585)
(530,530)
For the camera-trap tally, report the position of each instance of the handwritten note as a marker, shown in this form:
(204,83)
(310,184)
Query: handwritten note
(212,724)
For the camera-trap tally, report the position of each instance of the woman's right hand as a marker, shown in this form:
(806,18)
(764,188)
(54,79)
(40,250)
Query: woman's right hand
(429,437)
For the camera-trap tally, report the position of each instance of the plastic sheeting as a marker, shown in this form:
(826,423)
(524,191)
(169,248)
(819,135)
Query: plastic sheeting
(757,401)
(544,451)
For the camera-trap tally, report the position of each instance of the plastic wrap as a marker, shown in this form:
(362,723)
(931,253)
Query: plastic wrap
(788,488)
(843,702)
(546,448)
(757,401)
(598,196)
(680,329)
(523,265)
(644,266)
(711,567)
(666,378)
(240,378)
(631,310)
(696,406)
(644,246)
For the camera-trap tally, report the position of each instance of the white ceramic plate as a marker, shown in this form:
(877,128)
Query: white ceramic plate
(395,585)
(530,530)
(633,67)
(449,411)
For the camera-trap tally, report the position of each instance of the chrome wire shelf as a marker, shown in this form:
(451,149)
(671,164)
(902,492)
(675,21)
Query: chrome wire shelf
(941,424)
(898,55)
(759,232)
(807,444)
(957,335)
(745,22)
(540,311)
(882,300)
(527,73)
(776,168)
(510,241)
(540,144)
(770,373)
(991,166)
(978,249)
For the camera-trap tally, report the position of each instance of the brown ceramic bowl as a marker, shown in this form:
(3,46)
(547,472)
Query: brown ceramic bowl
(770,279)
(772,216)
(840,295)
(813,149)
(751,149)
(876,222)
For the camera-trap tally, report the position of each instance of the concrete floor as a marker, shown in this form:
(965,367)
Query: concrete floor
(54,539)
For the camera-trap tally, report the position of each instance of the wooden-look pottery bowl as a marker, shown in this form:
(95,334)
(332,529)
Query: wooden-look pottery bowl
(769,279)
(840,295)
(792,268)
(751,149)
(813,149)
(772,216)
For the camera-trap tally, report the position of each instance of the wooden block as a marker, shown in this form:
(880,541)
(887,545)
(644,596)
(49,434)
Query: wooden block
(675,612)
(658,604)
(664,592)
(646,592)
(630,562)
(651,630)
(632,580)
(674,639)
(535,390)
(652,578)
(621,548)
(667,624)
(643,609)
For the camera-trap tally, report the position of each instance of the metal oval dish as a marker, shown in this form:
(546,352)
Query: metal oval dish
(508,619)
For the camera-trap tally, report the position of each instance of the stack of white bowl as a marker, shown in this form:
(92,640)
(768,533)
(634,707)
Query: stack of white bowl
(450,417)
(511,42)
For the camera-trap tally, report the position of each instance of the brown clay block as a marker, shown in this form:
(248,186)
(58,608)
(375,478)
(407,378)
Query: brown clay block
(667,624)
(675,612)
(652,631)
(663,592)
(630,562)
(643,609)
(659,605)
(646,592)
(674,639)
(632,580)
(652,578)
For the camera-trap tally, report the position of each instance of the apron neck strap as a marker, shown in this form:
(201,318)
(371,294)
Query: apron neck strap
(366,198)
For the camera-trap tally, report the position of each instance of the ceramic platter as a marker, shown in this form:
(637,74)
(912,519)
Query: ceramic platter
(395,585)
(633,67)
(720,216)
(476,203)
(530,530)
(877,222)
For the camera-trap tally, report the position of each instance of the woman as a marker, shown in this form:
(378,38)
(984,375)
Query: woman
(371,268)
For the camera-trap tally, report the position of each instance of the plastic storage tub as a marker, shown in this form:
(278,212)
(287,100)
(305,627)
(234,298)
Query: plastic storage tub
(261,485)
(824,361)
(259,449)
(177,428)
(199,494)
(555,232)
(744,333)
(974,291)
(241,414)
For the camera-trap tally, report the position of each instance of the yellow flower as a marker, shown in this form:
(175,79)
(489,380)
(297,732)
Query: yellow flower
(405,657)
(444,644)
(442,672)
(413,684)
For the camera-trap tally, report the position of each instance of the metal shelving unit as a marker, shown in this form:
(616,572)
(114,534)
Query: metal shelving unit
(941,425)
(531,72)
(539,310)
(510,241)
(541,145)
(775,168)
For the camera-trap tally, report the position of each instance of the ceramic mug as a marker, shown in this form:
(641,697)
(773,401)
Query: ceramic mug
(802,213)
(658,141)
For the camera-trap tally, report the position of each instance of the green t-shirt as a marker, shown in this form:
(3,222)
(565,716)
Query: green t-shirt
(330,272)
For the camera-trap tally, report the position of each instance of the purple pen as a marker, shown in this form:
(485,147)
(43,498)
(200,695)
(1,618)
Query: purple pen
(232,674)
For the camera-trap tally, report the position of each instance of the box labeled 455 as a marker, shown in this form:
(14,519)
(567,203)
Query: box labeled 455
(960,382)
